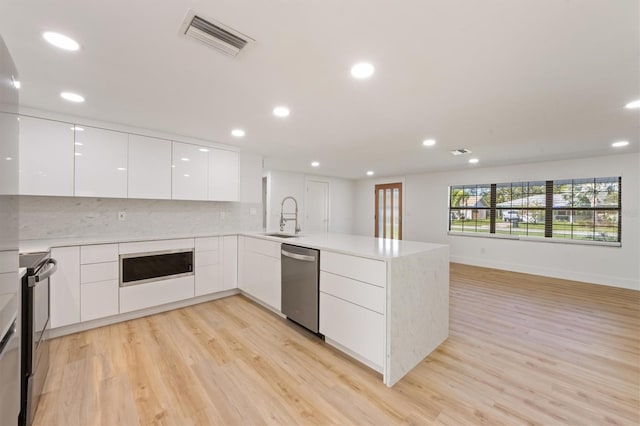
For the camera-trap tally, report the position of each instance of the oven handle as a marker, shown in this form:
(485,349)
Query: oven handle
(49,267)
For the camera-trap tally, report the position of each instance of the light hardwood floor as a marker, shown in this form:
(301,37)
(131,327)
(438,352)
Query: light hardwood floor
(522,350)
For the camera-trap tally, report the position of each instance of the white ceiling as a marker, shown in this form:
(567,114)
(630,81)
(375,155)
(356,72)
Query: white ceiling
(513,80)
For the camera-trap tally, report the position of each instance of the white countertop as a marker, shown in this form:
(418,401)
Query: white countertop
(357,245)
(32,246)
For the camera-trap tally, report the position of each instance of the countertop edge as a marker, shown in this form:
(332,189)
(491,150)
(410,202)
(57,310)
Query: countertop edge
(319,246)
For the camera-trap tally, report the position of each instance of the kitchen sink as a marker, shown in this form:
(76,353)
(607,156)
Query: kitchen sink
(280,235)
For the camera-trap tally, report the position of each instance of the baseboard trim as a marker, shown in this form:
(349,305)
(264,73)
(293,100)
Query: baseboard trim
(101,322)
(604,280)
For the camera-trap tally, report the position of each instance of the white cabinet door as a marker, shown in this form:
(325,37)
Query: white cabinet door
(65,287)
(99,299)
(149,168)
(224,175)
(250,177)
(46,157)
(208,279)
(208,266)
(101,163)
(190,172)
(354,327)
(229,262)
(259,270)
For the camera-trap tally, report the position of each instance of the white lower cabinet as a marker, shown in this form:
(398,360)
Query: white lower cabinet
(259,270)
(229,262)
(142,296)
(99,300)
(353,305)
(86,284)
(65,287)
(98,281)
(358,329)
(207,266)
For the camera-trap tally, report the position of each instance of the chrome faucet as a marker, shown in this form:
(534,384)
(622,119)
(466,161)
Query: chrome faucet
(284,220)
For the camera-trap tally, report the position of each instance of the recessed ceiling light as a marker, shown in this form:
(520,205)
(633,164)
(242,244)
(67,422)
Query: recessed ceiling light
(16,83)
(78,154)
(633,105)
(429,142)
(78,143)
(201,150)
(370,173)
(315,164)
(186,175)
(61,41)
(77,128)
(238,133)
(281,111)
(620,144)
(184,159)
(473,160)
(8,158)
(121,169)
(362,70)
(72,97)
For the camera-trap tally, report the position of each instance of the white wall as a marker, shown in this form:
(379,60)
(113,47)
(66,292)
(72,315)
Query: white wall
(282,184)
(426,219)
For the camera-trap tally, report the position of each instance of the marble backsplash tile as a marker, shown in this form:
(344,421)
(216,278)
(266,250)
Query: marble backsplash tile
(70,217)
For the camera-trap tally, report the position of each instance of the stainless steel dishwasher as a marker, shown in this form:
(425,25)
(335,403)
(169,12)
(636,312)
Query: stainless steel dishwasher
(300,272)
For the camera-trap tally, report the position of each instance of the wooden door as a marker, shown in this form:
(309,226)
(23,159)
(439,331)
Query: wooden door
(389,211)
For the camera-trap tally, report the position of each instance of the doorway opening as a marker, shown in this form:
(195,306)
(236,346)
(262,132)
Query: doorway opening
(388,211)
(316,205)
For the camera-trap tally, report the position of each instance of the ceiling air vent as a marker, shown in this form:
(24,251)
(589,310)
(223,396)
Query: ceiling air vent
(214,34)
(461,151)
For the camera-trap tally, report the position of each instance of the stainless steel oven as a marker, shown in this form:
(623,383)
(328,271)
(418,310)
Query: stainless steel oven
(9,359)
(35,330)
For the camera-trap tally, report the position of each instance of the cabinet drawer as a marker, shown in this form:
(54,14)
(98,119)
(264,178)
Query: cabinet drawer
(359,268)
(264,247)
(358,329)
(98,272)
(99,253)
(99,300)
(156,293)
(366,295)
(207,243)
(205,258)
(160,245)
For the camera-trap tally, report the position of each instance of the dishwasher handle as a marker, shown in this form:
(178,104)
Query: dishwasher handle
(297,256)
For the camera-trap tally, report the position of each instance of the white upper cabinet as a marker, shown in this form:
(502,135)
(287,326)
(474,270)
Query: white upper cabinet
(149,168)
(101,163)
(250,177)
(46,157)
(190,172)
(224,173)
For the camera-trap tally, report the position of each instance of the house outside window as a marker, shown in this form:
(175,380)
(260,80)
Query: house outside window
(586,210)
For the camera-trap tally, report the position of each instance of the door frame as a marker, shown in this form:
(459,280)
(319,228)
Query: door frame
(308,179)
(389,185)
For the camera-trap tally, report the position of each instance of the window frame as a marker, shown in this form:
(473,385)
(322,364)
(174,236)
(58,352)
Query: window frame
(549,211)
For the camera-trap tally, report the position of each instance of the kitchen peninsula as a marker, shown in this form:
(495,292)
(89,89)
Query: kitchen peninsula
(383,302)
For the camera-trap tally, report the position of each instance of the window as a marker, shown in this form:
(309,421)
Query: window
(570,209)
